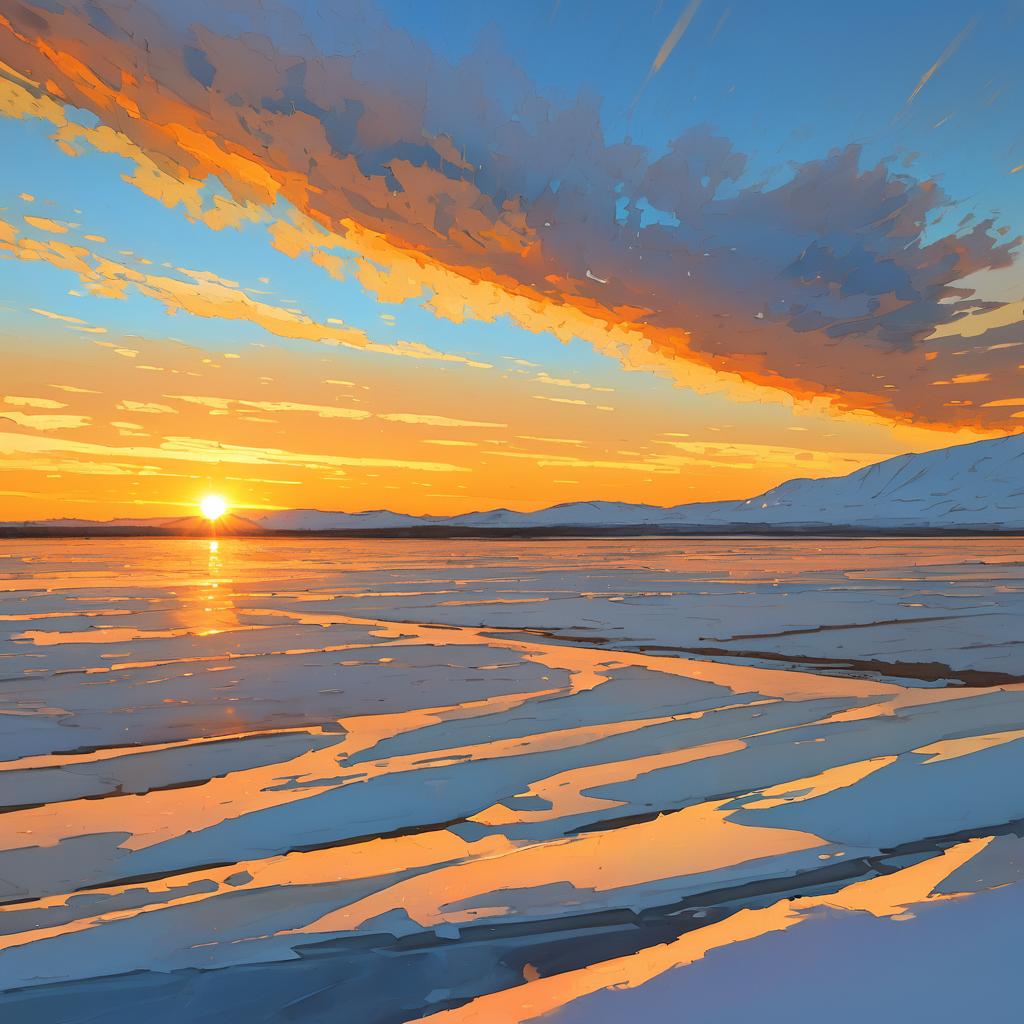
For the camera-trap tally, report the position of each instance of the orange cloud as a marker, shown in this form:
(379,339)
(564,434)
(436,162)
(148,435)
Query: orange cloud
(204,295)
(44,421)
(824,288)
(434,421)
(326,412)
(202,450)
(34,403)
(128,405)
(46,224)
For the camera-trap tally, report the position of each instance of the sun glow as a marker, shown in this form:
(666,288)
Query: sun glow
(213,506)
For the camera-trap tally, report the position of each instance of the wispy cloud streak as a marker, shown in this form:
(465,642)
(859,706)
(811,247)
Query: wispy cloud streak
(948,52)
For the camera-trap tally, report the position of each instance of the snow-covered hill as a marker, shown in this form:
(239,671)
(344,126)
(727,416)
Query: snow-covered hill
(979,485)
(973,486)
(312,519)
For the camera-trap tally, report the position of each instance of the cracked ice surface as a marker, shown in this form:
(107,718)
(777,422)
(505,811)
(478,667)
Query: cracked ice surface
(489,781)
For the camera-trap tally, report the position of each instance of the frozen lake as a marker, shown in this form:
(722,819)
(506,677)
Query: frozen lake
(384,780)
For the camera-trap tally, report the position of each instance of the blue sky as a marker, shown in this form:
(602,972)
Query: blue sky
(785,82)
(586,344)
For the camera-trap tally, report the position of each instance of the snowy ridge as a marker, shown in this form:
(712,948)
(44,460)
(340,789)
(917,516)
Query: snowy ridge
(971,486)
(977,486)
(312,519)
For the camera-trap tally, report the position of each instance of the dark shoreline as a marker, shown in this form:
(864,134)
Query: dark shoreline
(509,533)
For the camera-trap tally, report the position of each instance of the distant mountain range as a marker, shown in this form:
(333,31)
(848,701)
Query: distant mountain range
(972,487)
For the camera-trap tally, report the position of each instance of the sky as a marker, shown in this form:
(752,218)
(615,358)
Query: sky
(455,256)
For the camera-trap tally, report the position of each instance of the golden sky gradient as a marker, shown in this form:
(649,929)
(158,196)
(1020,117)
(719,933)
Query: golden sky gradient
(217,276)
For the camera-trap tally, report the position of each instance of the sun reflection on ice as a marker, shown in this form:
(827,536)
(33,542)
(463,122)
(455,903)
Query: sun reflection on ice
(215,595)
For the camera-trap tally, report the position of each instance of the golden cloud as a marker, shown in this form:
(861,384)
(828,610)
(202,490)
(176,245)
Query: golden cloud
(827,287)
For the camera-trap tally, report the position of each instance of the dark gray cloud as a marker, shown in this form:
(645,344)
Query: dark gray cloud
(828,284)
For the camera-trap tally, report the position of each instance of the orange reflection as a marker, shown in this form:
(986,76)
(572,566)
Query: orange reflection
(209,607)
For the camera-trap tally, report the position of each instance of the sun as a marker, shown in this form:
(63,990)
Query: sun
(213,506)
